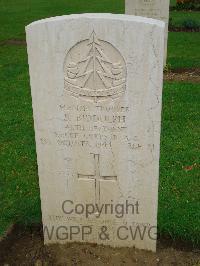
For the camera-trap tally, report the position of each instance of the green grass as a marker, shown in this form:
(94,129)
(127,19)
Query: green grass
(16,14)
(179,210)
(172,2)
(19,192)
(179,192)
(179,16)
(184,49)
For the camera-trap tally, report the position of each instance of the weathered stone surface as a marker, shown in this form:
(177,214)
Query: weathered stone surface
(157,9)
(96,82)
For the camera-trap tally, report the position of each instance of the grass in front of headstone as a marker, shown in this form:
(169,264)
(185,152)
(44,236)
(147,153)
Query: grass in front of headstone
(184,50)
(19,191)
(15,15)
(179,211)
(178,17)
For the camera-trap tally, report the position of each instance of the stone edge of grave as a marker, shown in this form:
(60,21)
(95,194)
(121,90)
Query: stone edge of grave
(110,16)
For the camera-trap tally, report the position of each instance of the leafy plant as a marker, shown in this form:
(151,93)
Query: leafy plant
(171,23)
(190,24)
(167,68)
(187,4)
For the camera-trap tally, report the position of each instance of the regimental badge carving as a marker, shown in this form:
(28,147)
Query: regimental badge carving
(94,69)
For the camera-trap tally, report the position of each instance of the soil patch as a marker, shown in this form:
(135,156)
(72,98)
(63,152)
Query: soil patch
(183,74)
(13,42)
(193,9)
(183,29)
(25,247)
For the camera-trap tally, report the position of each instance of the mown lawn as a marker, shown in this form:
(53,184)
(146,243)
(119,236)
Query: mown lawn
(19,192)
(179,190)
(179,211)
(179,195)
(15,14)
(178,17)
(184,48)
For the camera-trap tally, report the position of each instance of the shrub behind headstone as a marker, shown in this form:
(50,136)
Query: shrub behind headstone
(188,4)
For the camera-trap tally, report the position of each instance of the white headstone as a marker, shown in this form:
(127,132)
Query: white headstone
(96,82)
(157,9)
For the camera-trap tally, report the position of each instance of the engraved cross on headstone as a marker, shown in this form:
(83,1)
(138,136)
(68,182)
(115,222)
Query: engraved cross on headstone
(97,177)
